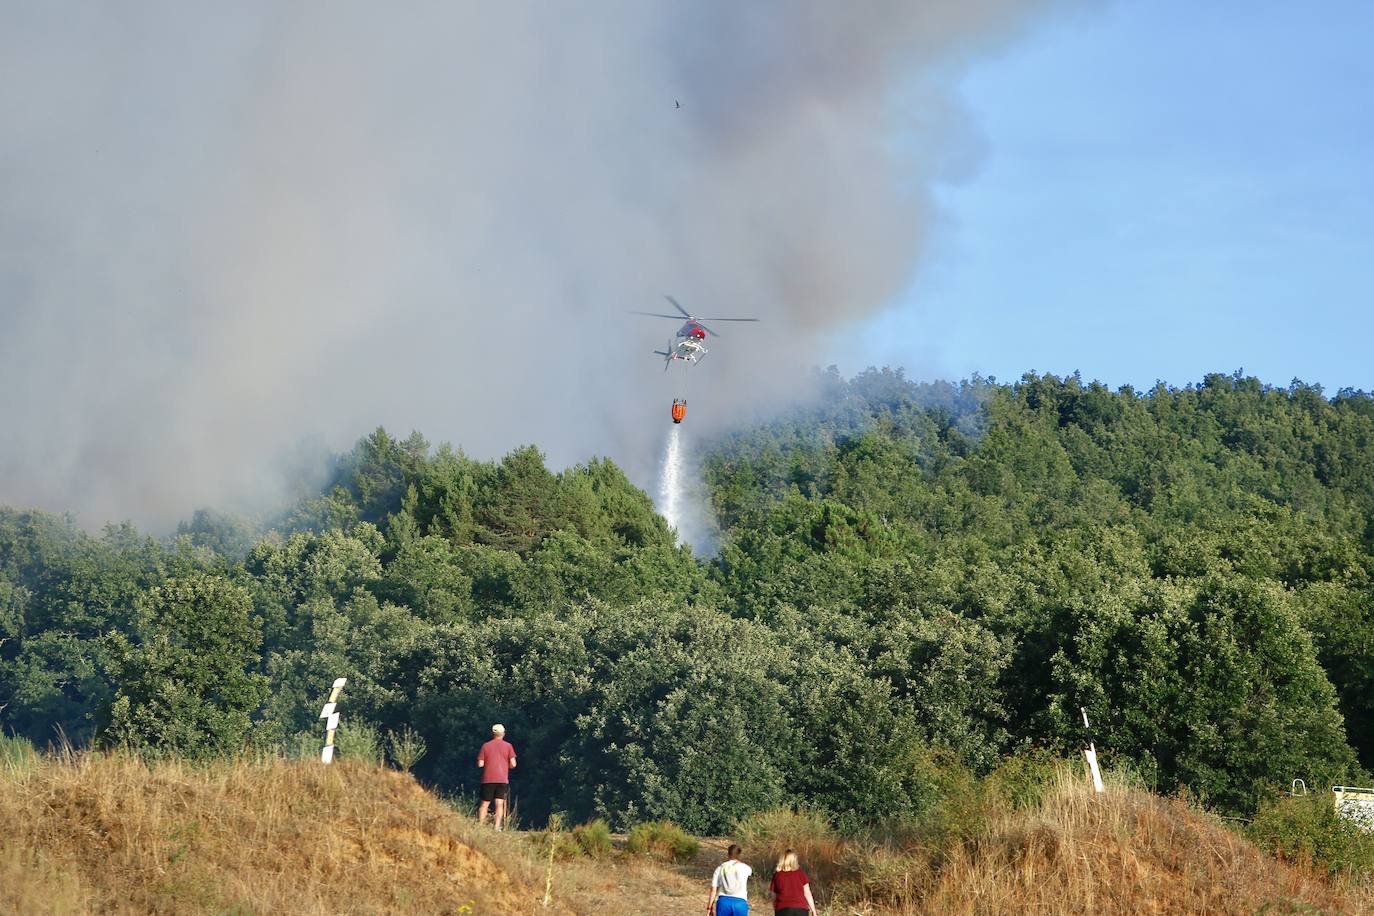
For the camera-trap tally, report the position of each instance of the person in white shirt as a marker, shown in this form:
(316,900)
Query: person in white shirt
(729,886)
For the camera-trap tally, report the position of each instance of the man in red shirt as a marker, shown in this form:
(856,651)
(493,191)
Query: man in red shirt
(496,759)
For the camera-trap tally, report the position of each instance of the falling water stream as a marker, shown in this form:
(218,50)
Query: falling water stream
(670,481)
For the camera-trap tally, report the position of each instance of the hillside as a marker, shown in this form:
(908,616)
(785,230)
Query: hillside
(1128,852)
(109,834)
(905,571)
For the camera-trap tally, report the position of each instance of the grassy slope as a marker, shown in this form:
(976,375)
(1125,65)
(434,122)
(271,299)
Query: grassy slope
(1126,852)
(110,834)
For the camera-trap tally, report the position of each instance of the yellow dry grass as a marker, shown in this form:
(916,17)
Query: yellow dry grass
(93,833)
(1125,852)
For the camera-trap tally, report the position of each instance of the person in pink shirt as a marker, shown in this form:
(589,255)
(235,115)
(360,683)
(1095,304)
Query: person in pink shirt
(496,759)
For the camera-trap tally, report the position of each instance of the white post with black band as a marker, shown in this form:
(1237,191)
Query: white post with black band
(1090,753)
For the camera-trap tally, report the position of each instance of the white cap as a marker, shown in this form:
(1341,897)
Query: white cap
(498,729)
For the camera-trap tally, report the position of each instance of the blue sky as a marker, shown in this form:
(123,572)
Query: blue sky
(1167,189)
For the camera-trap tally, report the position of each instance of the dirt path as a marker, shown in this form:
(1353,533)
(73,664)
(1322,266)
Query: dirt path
(633,886)
(639,887)
(697,876)
(682,889)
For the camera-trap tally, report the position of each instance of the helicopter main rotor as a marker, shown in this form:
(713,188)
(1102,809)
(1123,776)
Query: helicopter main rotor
(687,316)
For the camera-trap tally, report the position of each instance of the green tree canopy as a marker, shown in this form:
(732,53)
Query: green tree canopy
(186,687)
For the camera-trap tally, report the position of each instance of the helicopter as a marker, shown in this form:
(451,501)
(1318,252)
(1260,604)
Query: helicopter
(689,344)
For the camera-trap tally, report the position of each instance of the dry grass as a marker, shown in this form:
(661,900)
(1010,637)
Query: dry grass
(1124,852)
(622,884)
(111,834)
(92,833)
(1071,852)
(1074,852)
(821,851)
(631,886)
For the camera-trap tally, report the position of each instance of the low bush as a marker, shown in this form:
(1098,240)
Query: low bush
(593,839)
(956,806)
(406,747)
(895,863)
(877,874)
(303,745)
(1022,780)
(661,840)
(767,835)
(553,838)
(17,754)
(1308,830)
(782,827)
(354,740)
(359,741)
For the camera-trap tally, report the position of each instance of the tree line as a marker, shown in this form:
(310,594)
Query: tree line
(910,576)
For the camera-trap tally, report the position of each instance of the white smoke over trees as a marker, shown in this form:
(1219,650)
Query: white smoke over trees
(226,229)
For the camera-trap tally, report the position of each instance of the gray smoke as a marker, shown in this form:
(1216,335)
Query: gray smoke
(226,229)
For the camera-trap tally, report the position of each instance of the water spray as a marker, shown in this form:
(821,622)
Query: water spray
(671,481)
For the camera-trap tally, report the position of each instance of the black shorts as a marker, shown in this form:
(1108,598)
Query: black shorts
(792,911)
(494,790)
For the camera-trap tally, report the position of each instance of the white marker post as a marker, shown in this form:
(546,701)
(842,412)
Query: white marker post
(1090,754)
(331,724)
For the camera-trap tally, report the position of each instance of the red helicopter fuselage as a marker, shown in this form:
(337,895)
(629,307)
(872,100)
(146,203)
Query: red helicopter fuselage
(692,330)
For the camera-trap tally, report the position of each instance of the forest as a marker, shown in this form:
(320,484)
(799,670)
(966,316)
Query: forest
(911,577)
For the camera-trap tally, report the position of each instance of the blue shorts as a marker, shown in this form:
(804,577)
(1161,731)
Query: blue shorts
(732,906)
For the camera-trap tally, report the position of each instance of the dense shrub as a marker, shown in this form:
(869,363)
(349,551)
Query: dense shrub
(957,806)
(661,840)
(405,747)
(593,839)
(553,842)
(359,741)
(881,875)
(17,754)
(303,745)
(785,827)
(1308,830)
(1021,780)
(767,835)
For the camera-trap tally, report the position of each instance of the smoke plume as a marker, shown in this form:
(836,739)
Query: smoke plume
(227,229)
